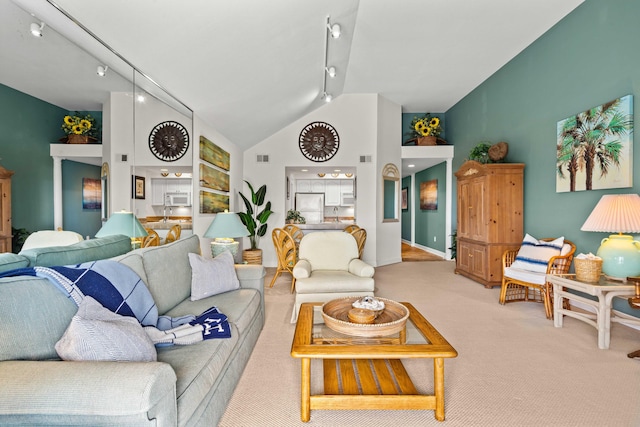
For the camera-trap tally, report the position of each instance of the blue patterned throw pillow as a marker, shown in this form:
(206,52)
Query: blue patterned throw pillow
(534,254)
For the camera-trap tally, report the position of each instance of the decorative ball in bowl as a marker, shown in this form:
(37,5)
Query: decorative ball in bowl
(391,320)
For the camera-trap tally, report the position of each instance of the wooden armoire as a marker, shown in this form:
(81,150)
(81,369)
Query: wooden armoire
(490,218)
(5,210)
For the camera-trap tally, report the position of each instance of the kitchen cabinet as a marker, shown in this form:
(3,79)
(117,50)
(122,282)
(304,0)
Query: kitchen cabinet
(490,218)
(332,193)
(317,186)
(303,186)
(160,186)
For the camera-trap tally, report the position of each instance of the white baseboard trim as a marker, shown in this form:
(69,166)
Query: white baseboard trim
(425,248)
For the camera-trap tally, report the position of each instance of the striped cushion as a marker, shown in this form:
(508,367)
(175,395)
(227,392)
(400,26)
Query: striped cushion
(534,254)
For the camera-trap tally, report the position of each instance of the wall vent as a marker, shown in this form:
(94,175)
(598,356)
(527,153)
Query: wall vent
(262,158)
(365,159)
(122,157)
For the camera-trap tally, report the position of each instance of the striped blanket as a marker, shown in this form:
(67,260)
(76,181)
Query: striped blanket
(119,289)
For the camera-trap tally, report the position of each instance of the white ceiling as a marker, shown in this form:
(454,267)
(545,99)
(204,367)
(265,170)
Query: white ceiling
(251,67)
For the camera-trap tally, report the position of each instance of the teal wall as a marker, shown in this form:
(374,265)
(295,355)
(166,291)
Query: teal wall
(588,58)
(405,215)
(431,223)
(27,127)
(84,221)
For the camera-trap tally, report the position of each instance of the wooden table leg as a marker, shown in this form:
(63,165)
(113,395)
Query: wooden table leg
(438,387)
(305,390)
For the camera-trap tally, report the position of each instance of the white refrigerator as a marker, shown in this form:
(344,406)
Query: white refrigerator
(311,207)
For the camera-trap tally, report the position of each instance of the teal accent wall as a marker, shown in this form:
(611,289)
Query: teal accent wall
(588,58)
(28,125)
(84,221)
(431,223)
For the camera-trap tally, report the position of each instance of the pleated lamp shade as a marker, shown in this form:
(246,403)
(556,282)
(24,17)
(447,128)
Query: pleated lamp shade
(617,213)
(122,223)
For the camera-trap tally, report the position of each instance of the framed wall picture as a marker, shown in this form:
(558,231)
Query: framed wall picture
(213,202)
(594,148)
(138,187)
(91,194)
(429,195)
(405,198)
(211,153)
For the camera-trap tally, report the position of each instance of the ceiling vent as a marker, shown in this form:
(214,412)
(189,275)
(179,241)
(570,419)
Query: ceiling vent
(262,158)
(365,159)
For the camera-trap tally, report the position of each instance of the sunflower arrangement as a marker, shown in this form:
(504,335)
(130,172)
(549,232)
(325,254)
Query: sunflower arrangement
(79,125)
(425,126)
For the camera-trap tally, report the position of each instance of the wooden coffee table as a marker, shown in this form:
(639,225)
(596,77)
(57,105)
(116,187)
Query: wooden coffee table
(367,373)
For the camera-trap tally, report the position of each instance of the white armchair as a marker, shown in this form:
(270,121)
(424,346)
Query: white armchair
(48,238)
(329,268)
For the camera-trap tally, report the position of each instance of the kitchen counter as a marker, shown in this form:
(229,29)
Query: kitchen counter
(161,225)
(324,226)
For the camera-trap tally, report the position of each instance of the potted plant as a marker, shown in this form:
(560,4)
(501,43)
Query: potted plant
(256,222)
(79,129)
(425,130)
(294,217)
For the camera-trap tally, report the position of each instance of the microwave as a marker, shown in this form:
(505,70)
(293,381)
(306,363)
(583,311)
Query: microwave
(177,199)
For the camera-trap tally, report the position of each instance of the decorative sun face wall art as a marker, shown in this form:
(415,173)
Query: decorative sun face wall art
(594,148)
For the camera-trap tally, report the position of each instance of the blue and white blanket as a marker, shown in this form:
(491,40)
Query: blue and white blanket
(119,289)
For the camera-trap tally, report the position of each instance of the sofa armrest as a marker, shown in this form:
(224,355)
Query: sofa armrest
(302,269)
(360,268)
(251,276)
(41,392)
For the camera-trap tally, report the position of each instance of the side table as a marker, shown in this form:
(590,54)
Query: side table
(605,290)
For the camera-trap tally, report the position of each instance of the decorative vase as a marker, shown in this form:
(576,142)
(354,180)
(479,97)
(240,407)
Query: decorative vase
(620,256)
(427,140)
(252,256)
(77,139)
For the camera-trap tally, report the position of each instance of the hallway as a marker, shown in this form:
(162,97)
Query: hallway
(410,253)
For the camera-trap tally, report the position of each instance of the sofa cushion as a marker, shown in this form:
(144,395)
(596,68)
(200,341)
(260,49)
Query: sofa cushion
(35,315)
(169,273)
(98,334)
(198,367)
(212,276)
(9,261)
(87,250)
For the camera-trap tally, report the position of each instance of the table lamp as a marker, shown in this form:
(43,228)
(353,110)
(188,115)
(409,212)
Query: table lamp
(223,229)
(123,222)
(617,213)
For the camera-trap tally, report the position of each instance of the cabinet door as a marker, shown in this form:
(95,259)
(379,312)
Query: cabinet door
(346,186)
(173,185)
(158,189)
(317,186)
(471,258)
(303,186)
(332,193)
(476,208)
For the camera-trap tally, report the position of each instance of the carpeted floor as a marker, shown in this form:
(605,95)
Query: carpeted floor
(513,369)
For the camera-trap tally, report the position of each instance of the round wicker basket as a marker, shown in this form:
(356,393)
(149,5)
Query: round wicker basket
(392,320)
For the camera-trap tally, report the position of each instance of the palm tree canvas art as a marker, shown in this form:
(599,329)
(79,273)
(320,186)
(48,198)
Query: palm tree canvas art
(594,148)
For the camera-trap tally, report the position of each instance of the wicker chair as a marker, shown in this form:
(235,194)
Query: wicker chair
(361,237)
(351,228)
(152,239)
(295,232)
(287,252)
(536,288)
(173,234)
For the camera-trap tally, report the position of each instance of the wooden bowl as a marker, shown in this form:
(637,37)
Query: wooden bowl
(361,315)
(392,320)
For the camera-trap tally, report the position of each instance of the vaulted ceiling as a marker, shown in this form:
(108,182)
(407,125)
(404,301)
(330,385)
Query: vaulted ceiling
(251,67)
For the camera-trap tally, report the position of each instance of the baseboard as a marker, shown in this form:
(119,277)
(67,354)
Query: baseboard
(426,249)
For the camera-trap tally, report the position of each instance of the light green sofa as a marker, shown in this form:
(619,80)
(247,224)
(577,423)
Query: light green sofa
(188,385)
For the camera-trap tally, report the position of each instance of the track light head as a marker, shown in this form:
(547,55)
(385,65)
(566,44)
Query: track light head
(36,29)
(335,30)
(328,97)
(331,71)
(102,70)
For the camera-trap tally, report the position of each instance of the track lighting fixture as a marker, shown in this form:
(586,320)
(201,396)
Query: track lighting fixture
(102,70)
(36,29)
(331,71)
(333,29)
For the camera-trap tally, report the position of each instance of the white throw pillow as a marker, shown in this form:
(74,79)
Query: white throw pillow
(534,254)
(98,334)
(212,276)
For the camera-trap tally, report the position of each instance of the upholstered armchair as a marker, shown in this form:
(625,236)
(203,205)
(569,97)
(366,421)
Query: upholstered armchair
(329,268)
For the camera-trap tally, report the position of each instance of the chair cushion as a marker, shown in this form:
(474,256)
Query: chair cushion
(334,281)
(534,254)
(328,250)
(536,278)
